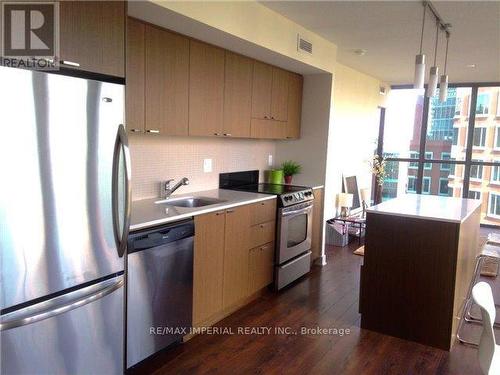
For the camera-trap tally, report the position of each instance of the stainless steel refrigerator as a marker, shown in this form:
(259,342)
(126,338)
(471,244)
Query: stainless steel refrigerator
(64,218)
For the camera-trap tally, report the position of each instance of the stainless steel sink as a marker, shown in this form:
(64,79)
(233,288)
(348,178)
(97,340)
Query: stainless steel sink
(190,202)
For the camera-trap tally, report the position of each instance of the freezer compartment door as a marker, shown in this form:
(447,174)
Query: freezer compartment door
(57,147)
(77,333)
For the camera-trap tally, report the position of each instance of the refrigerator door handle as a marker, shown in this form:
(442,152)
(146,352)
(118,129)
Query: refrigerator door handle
(59,305)
(121,144)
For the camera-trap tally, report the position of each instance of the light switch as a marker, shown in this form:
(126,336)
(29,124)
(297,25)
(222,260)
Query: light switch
(207,165)
(270,160)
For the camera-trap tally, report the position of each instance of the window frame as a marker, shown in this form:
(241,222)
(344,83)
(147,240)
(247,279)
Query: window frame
(408,191)
(447,166)
(426,178)
(465,110)
(488,106)
(484,131)
(492,181)
(475,191)
(488,212)
(497,133)
(428,166)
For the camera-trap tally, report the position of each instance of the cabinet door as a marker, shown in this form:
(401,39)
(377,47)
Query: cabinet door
(279,97)
(80,34)
(208,266)
(261,90)
(237,95)
(236,254)
(113,38)
(167,82)
(206,89)
(134,92)
(271,129)
(260,267)
(294,105)
(92,36)
(264,211)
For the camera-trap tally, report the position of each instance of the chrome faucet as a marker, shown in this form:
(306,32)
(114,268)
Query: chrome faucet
(168,189)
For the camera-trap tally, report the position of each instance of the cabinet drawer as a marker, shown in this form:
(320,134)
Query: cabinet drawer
(261,262)
(262,233)
(264,211)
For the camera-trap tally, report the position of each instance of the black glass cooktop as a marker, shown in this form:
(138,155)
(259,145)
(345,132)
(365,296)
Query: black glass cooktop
(275,189)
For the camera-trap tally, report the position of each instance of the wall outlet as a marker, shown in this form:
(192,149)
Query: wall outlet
(207,165)
(270,160)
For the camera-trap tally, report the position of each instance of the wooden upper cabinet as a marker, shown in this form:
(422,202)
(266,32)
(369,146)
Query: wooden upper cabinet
(92,36)
(206,89)
(166,82)
(135,71)
(261,90)
(208,266)
(236,248)
(279,95)
(295,84)
(237,95)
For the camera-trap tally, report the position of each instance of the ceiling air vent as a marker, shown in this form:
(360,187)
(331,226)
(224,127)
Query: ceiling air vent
(304,45)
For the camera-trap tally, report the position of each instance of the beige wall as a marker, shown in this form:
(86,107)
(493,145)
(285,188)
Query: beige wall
(159,158)
(354,132)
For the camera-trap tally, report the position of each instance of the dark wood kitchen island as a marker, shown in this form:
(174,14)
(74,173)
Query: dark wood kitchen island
(419,258)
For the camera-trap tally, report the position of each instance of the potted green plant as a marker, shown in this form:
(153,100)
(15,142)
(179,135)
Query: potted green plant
(290,168)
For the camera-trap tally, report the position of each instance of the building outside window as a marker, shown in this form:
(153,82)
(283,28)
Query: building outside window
(494,205)
(458,106)
(483,103)
(428,155)
(455,137)
(445,166)
(413,164)
(476,171)
(479,137)
(496,145)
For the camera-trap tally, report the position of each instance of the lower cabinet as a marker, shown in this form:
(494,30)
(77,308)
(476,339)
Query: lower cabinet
(230,264)
(260,267)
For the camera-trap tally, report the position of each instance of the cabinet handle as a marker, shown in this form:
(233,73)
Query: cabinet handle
(153,131)
(266,117)
(227,134)
(219,213)
(263,204)
(262,225)
(135,130)
(69,63)
(272,117)
(217,134)
(230,211)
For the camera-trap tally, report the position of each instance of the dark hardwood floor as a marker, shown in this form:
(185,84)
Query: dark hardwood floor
(327,297)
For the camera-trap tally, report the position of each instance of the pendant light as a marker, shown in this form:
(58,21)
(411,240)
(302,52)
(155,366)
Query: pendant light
(434,73)
(418,82)
(443,83)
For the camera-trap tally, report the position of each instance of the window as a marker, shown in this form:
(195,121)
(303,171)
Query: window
(444,189)
(426,186)
(428,155)
(458,106)
(476,172)
(413,164)
(479,137)
(455,137)
(445,156)
(498,102)
(483,103)
(494,205)
(496,145)
(495,174)
(412,184)
(474,194)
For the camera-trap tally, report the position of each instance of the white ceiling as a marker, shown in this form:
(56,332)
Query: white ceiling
(390,32)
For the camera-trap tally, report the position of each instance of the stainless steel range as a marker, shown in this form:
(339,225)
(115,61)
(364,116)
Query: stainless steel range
(294,223)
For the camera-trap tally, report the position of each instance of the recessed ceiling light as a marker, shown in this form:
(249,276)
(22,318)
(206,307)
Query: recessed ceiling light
(470,65)
(360,52)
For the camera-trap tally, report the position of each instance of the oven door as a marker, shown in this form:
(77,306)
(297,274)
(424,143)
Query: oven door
(294,231)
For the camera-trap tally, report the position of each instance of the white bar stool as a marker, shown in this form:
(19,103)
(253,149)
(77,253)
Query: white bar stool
(491,250)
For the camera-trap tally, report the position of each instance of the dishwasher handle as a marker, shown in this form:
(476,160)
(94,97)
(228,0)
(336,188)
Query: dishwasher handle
(160,236)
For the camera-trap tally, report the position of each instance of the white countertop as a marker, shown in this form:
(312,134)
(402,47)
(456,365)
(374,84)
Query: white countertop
(304,181)
(146,213)
(430,207)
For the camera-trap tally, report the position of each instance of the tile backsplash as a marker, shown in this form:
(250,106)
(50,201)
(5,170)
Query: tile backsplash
(159,158)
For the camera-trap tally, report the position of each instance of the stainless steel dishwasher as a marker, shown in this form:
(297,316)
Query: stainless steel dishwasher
(159,288)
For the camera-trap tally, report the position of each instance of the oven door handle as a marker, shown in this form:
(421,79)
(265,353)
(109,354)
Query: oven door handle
(299,211)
